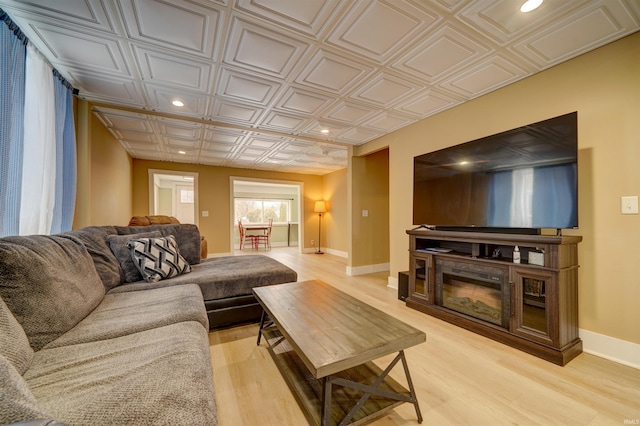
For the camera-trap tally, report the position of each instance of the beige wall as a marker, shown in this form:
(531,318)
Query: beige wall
(334,222)
(214,196)
(104,192)
(370,191)
(603,86)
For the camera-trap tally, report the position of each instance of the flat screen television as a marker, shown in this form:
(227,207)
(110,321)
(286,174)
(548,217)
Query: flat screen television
(520,180)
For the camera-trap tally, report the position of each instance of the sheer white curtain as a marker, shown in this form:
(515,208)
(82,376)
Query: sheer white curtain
(522,198)
(39,167)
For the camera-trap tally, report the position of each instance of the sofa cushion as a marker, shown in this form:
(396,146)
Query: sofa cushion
(17,403)
(157,258)
(120,314)
(14,344)
(49,283)
(158,376)
(226,276)
(187,236)
(118,245)
(94,239)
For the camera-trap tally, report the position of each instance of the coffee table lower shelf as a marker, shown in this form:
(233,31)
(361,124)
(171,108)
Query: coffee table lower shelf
(308,390)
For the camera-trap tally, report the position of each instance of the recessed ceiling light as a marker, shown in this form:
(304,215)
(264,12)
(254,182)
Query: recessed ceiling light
(325,131)
(181,152)
(530,5)
(178,103)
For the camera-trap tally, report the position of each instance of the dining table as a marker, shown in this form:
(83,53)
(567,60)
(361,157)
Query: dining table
(257,229)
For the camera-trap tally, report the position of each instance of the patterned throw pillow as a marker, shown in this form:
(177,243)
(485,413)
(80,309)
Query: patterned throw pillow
(157,258)
(118,245)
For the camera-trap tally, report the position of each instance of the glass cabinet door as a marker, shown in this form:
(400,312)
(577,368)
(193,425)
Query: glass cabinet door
(420,276)
(532,296)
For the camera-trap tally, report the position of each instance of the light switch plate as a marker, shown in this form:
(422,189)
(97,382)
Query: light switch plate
(205,213)
(630,205)
(365,213)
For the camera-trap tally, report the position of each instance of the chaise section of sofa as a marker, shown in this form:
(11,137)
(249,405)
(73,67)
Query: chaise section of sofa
(73,354)
(226,282)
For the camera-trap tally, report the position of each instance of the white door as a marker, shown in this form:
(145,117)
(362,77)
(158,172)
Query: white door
(184,203)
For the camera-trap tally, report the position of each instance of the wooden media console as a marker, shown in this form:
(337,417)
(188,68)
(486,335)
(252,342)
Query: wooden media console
(469,279)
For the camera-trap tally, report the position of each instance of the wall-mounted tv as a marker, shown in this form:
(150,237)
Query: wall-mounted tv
(521,179)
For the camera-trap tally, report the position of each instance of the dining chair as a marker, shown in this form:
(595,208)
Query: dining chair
(245,237)
(266,237)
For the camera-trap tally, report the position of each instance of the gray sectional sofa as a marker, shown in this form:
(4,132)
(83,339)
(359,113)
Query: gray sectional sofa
(81,346)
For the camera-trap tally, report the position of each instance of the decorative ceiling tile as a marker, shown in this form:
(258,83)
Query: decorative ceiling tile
(135,137)
(316,127)
(361,29)
(485,77)
(443,52)
(358,135)
(502,22)
(282,122)
(161,98)
(179,129)
(388,122)
(261,50)
(584,31)
(384,90)
(113,118)
(180,25)
(306,16)
(262,142)
(332,72)
(226,137)
(426,103)
(92,14)
(299,101)
(107,88)
(236,113)
(74,48)
(244,87)
(158,67)
(348,112)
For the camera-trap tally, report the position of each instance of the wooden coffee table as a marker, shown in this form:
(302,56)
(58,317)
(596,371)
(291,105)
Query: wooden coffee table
(324,341)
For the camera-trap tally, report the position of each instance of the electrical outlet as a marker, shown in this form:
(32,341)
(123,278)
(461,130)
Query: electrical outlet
(313,243)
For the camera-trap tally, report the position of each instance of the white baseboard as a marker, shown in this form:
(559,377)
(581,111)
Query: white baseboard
(328,251)
(392,282)
(367,269)
(337,253)
(620,351)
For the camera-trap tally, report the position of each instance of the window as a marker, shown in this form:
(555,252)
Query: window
(186,196)
(253,210)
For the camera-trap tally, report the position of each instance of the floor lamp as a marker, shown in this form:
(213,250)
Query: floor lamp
(319,208)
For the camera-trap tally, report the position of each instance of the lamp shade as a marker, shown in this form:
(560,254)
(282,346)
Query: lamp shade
(320,207)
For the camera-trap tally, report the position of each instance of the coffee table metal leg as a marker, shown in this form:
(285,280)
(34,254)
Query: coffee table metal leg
(261,326)
(325,418)
(368,391)
(411,388)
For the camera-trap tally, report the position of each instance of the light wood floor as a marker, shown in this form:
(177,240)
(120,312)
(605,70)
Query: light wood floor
(460,378)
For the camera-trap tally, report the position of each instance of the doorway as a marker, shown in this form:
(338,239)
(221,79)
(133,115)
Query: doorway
(258,200)
(174,193)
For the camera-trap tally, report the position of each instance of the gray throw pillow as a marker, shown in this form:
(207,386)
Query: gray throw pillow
(118,245)
(94,239)
(49,283)
(17,403)
(14,344)
(158,258)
